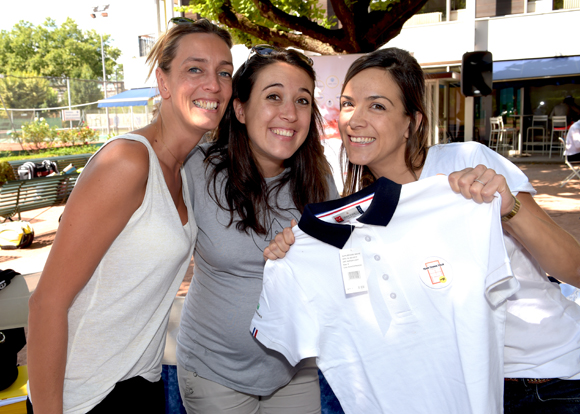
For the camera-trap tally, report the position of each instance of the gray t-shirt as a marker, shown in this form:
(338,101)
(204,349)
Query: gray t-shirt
(213,338)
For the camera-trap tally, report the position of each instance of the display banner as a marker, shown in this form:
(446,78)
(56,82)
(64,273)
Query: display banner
(330,73)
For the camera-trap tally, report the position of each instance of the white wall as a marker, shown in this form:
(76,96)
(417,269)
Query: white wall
(534,35)
(136,71)
(439,42)
(523,36)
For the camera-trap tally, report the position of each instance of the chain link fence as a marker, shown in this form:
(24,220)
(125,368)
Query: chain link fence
(25,99)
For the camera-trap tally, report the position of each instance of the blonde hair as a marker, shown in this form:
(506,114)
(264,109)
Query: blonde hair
(165,49)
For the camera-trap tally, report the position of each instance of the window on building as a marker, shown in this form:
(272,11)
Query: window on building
(493,8)
(435,11)
(146,43)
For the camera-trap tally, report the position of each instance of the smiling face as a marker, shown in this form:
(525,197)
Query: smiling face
(373,124)
(198,87)
(277,115)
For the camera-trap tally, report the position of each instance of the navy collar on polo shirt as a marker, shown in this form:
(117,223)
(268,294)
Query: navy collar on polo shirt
(379,212)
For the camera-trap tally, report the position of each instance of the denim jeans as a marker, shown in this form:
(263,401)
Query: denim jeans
(554,397)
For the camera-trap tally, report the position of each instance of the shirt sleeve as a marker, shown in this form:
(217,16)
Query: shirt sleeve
(195,173)
(500,280)
(332,190)
(573,139)
(516,179)
(448,158)
(283,320)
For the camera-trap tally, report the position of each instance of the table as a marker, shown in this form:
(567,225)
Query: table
(14,300)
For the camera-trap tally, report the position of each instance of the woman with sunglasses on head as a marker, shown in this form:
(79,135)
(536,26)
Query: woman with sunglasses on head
(99,315)
(265,164)
(383,127)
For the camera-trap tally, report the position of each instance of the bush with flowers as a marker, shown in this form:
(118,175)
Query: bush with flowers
(39,134)
(81,134)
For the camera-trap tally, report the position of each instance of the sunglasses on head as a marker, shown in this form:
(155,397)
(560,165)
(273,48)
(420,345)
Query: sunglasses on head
(267,50)
(183,20)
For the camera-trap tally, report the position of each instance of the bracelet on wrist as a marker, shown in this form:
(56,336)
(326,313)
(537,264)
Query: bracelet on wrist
(511,214)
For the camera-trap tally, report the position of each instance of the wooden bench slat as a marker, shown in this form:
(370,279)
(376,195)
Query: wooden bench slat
(24,195)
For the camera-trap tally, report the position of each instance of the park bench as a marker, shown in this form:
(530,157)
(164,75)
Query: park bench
(78,161)
(19,196)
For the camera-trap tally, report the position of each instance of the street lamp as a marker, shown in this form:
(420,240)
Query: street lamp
(102,10)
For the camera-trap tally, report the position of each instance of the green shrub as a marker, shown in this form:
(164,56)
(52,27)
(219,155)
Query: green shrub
(82,134)
(67,136)
(6,173)
(37,133)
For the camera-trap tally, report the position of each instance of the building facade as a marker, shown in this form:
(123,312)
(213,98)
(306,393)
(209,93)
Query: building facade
(535,52)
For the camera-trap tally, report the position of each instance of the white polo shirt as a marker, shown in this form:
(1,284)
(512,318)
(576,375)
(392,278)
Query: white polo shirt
(427,334)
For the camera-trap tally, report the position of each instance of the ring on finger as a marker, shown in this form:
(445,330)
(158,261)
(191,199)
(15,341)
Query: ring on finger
(479,181)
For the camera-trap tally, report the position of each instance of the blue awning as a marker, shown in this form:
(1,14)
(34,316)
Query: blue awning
(536,68)
(133,97)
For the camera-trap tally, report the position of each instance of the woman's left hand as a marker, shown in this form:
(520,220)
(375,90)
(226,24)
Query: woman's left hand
(480,184)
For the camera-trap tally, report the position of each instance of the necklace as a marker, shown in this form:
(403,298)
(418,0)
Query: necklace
(166,147)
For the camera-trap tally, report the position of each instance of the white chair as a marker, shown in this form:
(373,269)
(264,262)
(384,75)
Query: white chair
(575,170)
(559,127)
(539,123)
(500,133)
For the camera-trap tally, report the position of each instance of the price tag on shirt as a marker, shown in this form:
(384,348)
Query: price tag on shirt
(353,271)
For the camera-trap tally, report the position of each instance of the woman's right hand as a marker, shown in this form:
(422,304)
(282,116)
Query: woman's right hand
(281,243)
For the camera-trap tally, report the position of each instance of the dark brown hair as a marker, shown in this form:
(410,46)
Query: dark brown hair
(246,193)
(408,75)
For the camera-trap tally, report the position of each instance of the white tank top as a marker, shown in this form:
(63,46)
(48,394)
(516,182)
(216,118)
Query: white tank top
(118,321)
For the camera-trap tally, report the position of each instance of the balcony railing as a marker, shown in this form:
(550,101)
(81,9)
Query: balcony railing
(146,43)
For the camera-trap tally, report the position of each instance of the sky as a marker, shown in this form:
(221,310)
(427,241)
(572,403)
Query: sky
(126,21)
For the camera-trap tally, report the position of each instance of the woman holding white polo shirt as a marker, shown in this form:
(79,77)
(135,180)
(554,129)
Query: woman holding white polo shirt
(382,124)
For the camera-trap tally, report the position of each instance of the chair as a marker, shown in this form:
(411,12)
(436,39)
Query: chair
(539,123)
(560,127)
(575,170)
(500,133)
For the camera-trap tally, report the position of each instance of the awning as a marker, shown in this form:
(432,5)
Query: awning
(510,70)
(133,97)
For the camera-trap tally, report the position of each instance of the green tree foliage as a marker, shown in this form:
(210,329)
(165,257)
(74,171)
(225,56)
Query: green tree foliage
(83,90)
(27,90)
(50,50)
(357,26)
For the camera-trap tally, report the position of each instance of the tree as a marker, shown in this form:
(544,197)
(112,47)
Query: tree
(27,90)
(359,26)
(83,91)
(49,50)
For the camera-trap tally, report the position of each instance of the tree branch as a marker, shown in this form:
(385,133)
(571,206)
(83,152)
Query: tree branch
(279,38)
(300,24)
(387,25)
(344,15)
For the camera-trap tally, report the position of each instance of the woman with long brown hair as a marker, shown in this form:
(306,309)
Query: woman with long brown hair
(383,128)
(264,166)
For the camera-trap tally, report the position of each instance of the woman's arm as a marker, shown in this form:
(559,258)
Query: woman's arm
(557,252)
(109,191)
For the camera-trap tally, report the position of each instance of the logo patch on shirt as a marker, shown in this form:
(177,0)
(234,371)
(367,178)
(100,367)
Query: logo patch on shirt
(435,272)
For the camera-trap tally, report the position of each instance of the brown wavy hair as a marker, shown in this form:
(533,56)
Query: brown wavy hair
(408,75)
(247,197)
